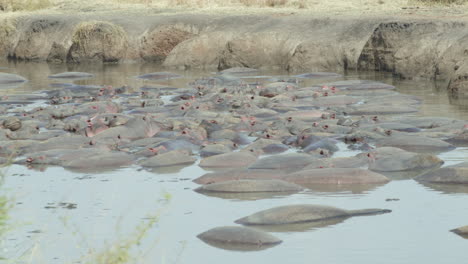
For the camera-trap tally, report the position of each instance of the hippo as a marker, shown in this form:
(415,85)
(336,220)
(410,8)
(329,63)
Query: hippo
(415,143)
(171,158)
(388,159)
(160,76)
(238,238)
(8,79)
(461,231)
(315,75)
(302,213)
(71,75)
(447,175)
(239,174)
(335,176)
(239,71)
(291,161)
(101,162)
(229,160)
(240,186)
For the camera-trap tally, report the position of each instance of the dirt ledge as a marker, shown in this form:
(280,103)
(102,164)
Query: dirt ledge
(410,47)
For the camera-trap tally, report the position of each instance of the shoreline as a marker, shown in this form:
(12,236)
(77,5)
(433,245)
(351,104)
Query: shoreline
(409,46)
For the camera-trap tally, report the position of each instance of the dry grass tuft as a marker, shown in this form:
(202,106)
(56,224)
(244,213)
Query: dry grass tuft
(443,2)
(24,5)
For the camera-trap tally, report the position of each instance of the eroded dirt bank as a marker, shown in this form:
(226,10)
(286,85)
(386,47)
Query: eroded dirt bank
(409,47)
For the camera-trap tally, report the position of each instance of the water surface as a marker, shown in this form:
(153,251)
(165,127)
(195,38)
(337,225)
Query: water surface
(68,217)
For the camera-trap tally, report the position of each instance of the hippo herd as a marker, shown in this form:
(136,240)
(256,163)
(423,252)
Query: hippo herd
(256,134)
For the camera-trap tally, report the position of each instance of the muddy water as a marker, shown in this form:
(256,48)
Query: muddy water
(67,217)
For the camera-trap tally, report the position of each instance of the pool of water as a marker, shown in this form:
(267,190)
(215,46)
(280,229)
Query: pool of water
(69,217)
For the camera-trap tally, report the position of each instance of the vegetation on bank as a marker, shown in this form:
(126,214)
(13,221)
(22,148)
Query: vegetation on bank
(30,5)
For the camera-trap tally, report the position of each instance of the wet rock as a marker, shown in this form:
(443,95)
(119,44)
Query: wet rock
(241,186)
(171,158)
(98,41)
(302,213)
(238,238)
(340,176)
(239,174)
(228,160)
(292,161)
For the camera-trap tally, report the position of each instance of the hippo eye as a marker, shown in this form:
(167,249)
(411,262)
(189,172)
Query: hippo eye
(321,152)
(91,143)
(182,108)
(303,137)
(268,136)
(252,97)
(184,132)
(234,145)
(197,107)
(118,137)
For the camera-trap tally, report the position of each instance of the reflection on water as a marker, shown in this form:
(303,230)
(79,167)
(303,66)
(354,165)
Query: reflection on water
(419,223)
(301,227)
(447,188)
(238,247)
(247,195)
(342,188)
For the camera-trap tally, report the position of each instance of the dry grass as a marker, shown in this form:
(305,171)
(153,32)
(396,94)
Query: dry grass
(24,5)
(443,2)
(351,7)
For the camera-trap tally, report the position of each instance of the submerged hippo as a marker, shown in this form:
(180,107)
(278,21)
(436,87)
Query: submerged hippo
(242,186)
(302,213)
(238,238)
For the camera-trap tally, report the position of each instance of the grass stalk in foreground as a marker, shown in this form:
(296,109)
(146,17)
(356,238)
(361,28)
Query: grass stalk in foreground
(120,252)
